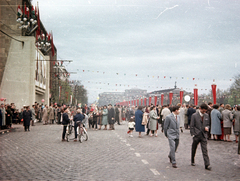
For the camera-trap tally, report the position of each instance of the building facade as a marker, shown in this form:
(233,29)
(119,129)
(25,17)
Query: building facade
(25,55)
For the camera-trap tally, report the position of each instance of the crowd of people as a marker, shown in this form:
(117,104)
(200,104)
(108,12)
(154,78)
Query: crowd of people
(207,122)
(223,118)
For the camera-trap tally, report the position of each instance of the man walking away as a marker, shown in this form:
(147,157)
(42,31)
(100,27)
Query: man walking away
(171,131)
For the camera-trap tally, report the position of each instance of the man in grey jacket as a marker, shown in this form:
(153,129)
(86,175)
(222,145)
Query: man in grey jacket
(199,128)
(171,131)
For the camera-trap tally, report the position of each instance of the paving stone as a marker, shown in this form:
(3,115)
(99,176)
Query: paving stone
(41,155)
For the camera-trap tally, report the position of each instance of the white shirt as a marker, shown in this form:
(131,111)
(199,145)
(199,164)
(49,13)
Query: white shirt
(131,124)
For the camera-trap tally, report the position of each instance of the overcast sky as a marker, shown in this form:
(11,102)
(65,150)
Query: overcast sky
(132,42)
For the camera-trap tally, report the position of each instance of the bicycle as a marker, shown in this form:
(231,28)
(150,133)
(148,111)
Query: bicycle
(69,131)
(82,132)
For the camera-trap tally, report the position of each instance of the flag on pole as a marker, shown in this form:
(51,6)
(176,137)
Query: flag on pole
(19,12)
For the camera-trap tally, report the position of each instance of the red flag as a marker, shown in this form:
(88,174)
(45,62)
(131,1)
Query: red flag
(150,100)
(195,96)
(162,97)
(181,97)
(170,98)
(214,86)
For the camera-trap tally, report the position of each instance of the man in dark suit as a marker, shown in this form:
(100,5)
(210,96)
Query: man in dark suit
(27,118)
(111,117)
(171,131)
(190,112)
(198,128)
(210,105)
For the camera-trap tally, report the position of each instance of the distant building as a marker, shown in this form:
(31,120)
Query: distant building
(115,97)
(140,95)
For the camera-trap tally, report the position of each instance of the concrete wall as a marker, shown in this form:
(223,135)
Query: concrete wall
(18,82)
(8,16)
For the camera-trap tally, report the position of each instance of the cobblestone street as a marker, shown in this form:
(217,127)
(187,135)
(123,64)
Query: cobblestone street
(109,155)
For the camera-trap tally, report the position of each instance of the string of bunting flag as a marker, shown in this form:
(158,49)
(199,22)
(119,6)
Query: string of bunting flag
(154,76)
(130,86)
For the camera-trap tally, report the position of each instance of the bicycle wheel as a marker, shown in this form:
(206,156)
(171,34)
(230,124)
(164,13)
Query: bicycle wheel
(67,134)
(85,134)
(80,138)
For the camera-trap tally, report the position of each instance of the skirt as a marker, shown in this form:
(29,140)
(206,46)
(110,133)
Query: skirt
(227,131)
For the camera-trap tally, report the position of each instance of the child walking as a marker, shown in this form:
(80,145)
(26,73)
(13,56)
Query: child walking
(131,125)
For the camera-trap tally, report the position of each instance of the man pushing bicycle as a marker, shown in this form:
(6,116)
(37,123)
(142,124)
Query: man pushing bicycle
(77,120)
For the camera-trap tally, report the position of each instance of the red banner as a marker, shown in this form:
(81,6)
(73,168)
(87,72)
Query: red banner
(170,98)
(214,93)
(162,97)
(196,96)
(134,102)
(145,101)
(150,100)
(181,97)
(138,102)
(155,100)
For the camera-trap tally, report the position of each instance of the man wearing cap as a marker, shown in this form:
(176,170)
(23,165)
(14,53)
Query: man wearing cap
(27,118)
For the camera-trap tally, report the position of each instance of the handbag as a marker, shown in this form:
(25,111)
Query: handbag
(144,120)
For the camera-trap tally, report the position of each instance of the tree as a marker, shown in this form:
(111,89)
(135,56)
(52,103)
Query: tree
(235,91)
(79,93)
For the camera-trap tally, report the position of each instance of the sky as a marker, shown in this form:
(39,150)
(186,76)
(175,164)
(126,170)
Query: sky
(147,44)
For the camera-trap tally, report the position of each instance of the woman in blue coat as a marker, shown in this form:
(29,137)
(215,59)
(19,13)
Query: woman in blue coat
(138,121)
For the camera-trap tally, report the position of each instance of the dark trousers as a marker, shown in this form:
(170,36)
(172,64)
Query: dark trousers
(118,121)
(163,124)
(64,131)
(59,117)
(148,130)
(90,122)
(26,128)
(203,141)
(94,124)
(75,129)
